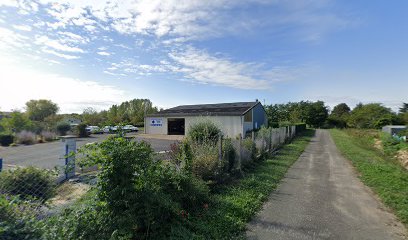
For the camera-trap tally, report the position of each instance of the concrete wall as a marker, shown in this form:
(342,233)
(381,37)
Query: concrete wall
(231,126)
(153,126)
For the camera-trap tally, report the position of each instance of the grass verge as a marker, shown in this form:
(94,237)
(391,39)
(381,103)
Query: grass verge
(378,171)
(233,205)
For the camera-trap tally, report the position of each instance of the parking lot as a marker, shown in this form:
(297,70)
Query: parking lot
(49,155)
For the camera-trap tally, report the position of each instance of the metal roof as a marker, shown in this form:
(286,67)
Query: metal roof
(218,109)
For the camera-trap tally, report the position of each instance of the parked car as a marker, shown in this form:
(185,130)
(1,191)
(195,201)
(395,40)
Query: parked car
(114,128)
(94,130)
(130,128)
(107,129)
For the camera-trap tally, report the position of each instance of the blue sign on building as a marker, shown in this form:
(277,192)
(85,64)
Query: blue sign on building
(156,122)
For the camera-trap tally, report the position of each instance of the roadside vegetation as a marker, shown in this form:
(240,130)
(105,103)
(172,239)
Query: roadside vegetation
(374,156)
(193,195)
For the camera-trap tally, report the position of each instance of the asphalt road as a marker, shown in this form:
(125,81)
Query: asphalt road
(49,155)
(322,198)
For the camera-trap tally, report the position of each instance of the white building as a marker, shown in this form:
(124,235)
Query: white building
(232,118)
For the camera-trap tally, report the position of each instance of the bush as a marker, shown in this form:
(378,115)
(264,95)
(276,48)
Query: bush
(403,133)
(63,128)
(28,183)
(228,154)
(204,131)
(48,136)
(300,127)
(81,130)
(139,124)
(139,198)
(250,147)
(26,137)
(206,163)
(6,139)
(18,219)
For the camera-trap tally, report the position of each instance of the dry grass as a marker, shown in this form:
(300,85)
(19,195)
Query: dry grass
(68,193)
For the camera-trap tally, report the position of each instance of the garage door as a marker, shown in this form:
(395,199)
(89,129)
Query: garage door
(176,126)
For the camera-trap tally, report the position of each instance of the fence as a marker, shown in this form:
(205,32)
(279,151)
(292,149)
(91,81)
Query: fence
(252,146)
(265,141)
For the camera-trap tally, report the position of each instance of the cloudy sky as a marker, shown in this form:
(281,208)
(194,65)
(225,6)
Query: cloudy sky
(95,53)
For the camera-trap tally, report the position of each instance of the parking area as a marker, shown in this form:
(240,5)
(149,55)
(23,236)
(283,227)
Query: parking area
(48,155)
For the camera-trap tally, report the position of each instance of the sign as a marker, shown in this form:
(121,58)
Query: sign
(156,122)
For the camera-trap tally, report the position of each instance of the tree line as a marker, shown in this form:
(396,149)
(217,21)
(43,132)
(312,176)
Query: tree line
(317,114)
(43,114)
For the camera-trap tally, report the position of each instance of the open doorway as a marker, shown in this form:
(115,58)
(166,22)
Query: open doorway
(176,126)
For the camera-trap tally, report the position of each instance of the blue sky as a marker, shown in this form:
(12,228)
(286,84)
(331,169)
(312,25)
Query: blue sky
(96,53)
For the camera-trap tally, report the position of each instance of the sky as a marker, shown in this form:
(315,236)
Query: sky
(96,53)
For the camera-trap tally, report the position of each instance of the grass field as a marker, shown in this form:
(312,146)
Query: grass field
(379,171)
(235,204)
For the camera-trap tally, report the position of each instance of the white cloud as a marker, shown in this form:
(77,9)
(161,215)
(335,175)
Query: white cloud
(55,44)
(183,20)
(69,37)
(72,95)
(102,53)
(22,27)
(201,67)
(66,56)
(11,39)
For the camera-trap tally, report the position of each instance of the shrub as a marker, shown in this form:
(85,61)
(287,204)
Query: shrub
(206,163)
(26,137)
(204,131)
(48,136)
(181,155)
(139,198)
(81,130)
(403,133)
(250,147)
(139,124)
(228,154)
(63,128)
(18,219)
(28,182)
(6,139)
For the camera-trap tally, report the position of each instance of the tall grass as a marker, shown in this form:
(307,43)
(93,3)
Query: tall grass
(378,171)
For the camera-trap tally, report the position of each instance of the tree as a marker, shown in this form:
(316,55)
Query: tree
(132,111)
(16,122)
(338,117)
(315,114)
(404,108)
(91,117)
(372,115)
(340,110)
(38,110)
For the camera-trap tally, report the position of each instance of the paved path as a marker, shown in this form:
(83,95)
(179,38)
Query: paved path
(47,155)
(322,198)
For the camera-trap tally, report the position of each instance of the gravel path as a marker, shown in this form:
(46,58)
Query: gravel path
(322,198)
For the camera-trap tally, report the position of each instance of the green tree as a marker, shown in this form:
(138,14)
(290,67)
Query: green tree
(404,108)
(372,115)
(315,113)
(132,111)
(91,117)
(16,122)
(339,115)
(38,110)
